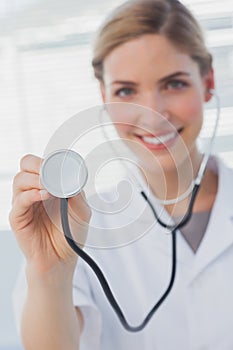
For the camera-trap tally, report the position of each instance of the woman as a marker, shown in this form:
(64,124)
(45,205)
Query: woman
(149,53)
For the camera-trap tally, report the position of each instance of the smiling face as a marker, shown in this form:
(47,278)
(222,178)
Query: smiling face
(150,71)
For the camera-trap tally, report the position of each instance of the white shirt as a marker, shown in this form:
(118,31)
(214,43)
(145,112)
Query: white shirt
(198,313)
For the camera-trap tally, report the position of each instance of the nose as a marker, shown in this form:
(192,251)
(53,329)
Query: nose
(156,111)
(154,101)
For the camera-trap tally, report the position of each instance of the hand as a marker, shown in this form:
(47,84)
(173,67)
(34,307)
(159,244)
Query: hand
(35,220)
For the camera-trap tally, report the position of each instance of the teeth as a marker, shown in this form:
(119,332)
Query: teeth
(159,139)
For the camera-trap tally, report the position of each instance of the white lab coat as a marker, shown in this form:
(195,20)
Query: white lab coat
(198,313)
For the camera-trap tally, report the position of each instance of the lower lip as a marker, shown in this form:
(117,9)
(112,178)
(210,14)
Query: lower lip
(161,146)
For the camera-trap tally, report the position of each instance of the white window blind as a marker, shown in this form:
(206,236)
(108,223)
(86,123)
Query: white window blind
(46,75)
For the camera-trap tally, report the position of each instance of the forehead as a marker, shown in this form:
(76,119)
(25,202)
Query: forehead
(146,55)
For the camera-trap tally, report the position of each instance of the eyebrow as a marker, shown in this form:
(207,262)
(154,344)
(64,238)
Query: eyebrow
(122,82)
(174,75)
(170,76)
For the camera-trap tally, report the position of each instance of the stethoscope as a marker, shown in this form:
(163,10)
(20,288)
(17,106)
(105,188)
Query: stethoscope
(64,174)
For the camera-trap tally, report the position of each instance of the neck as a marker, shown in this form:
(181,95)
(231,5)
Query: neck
(174,181)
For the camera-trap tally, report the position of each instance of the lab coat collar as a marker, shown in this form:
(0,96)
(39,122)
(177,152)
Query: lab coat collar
(219,233)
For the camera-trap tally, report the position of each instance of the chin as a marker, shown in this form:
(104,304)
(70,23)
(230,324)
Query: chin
(165,163)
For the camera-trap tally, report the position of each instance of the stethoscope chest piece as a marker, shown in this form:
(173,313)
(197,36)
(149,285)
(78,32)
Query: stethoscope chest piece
(63,173)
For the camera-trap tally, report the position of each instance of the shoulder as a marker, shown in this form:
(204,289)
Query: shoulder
(116,198)
(119,215)
(219,166)
(225,172)
(225,178)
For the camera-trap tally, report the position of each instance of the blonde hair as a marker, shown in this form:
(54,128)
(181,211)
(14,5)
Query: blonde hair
(134,18)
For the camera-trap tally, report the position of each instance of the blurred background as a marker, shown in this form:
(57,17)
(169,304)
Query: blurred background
(46,77)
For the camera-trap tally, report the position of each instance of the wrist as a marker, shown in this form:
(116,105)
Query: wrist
(59,277)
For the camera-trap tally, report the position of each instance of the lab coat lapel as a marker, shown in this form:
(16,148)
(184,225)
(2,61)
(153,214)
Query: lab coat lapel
(219,234)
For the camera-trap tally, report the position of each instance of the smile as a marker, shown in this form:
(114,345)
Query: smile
(161,141)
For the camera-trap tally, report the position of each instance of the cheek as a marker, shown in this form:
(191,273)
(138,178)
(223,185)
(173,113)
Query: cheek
(122,129)
(189,110)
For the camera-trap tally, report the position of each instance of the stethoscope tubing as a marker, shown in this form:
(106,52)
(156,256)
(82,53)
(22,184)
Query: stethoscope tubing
(99,274)
(173,228)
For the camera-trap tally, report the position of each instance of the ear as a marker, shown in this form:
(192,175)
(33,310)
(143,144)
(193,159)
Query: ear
(102,91)
(209,84)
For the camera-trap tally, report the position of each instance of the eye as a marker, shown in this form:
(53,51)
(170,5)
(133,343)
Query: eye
(124,92)
(176,84)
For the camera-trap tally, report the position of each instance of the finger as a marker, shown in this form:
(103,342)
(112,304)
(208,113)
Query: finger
(24,201)
(24,181)
(30,163)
